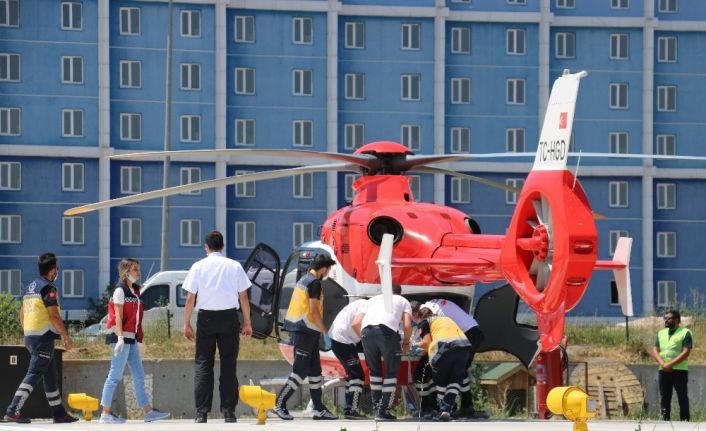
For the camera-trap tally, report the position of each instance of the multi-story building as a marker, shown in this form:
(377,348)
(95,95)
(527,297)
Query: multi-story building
(84,79)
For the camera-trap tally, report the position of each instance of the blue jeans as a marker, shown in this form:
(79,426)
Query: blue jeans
(42,366)
(130,356)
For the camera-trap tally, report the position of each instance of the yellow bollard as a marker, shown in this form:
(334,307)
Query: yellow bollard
(573,403)
(258,399)
(85,403)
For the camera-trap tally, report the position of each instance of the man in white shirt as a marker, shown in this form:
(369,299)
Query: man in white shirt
(344,343)
(217,286)
(422,375)
(381,341)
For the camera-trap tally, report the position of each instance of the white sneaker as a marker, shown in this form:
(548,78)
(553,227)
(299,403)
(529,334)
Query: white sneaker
(282,413)
(110,418)
(156,415)
(324,415)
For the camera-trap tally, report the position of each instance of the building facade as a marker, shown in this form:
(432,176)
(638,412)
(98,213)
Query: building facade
(439,76)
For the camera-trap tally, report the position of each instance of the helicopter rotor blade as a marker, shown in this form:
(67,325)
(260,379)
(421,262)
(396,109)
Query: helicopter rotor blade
(257,176)
(366,160)
(413,161)
(433,170)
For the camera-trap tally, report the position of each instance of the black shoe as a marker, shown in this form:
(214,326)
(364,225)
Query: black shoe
(444,417)
(385,415)
(353,414)
(229,416)
(18,418)
(201,418)
(65,419)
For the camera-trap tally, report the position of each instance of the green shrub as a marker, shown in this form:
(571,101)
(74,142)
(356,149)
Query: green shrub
(97,308)
(10,327)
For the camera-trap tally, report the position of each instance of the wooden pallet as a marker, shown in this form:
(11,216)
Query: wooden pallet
(610,402)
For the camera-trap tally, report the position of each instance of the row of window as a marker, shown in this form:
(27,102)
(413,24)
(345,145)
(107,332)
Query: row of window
(565,47)
(71,282)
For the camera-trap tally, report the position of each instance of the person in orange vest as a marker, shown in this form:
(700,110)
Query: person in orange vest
(671,350)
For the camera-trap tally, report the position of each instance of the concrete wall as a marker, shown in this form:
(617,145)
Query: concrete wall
(169,382)
(647,375)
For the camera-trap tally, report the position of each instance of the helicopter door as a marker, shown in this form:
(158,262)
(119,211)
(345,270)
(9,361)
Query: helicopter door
(262,268)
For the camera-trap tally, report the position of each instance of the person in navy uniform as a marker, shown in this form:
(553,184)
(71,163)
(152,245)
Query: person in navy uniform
(40,316)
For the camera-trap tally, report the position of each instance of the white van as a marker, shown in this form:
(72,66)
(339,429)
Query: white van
(164,299)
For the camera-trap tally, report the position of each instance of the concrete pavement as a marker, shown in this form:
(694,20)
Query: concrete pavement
(275,424)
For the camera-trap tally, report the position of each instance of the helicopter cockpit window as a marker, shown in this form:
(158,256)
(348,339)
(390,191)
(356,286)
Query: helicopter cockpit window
(262,275)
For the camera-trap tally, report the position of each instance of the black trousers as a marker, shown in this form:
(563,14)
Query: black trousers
(216,328)
(449,374)
(307,365)
(678,380)
(381,343)
(347,355)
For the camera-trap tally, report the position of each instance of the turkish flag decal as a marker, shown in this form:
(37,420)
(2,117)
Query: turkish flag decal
(562,120)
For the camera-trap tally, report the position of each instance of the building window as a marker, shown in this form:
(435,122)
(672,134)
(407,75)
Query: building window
(565,45)
(190,128)
(11,279)
(618,194)
(460,90)
(355,35)
(302,82)
(190,176)
(129,21)
(411,36)
(669,6)
(355,86)
(10,176)
(666,98)
(9,13)
(130,231)
(72,177)
(618,142)
(460,40)
(191,23)
(72,70)
(353,136)
(460,140)
(302,31)
(515,41)
(190,232)
(303,232)
(411,87)
(130,127)
(10,229)
(244,80)
(71,16)
(190,76)
(349,179)
(515,140)
(244,234)
(619,4)
(618,96)
(10,121)
(666,244)
(130,179)
(72,232)
(244,132)
(614,236)
(619,46)
(410,136)
(72,123)
(515,91)
(666,145)
(130,74)
(517,2)
(303,186)
(666,293)
(10,67)
(510,196)
(245,29)
(460,190)
(72,283)
(565,4)
(666,196)
(245,189)
(667,49)
(302,133)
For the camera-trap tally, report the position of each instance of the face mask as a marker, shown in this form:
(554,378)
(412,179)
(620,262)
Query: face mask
(132,279)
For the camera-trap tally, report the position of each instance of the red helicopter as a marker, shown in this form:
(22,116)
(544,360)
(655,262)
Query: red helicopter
(547,254)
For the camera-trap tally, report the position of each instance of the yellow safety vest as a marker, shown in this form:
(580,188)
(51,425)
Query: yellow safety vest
(299,317)
(36,320)
(445,335)
(671,347)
